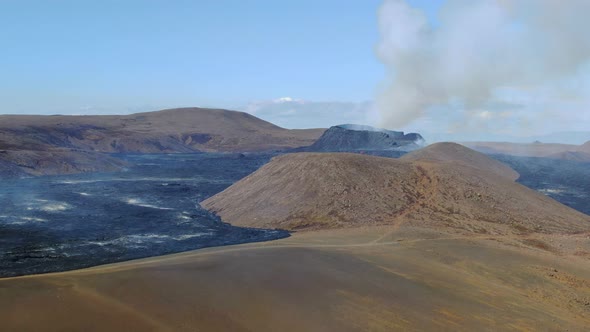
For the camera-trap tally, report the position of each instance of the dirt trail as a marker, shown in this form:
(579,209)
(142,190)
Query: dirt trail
(428,185)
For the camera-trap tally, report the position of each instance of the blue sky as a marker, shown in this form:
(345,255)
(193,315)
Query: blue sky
(119,56)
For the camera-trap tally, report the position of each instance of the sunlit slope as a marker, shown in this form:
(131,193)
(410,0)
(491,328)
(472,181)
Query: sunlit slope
(174,130)
(316,191)
(36,145)
(452,152)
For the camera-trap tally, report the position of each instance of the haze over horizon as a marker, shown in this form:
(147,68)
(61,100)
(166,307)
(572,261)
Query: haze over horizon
(77,57)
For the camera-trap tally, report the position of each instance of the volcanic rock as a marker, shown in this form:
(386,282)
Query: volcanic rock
(350,138)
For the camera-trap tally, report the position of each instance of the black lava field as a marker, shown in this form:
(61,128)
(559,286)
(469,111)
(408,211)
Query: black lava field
(566,181)
(60,223)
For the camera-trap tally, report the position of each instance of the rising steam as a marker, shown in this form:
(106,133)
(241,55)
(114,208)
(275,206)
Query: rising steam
(476,48)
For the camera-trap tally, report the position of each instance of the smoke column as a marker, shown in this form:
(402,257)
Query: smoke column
(476,48)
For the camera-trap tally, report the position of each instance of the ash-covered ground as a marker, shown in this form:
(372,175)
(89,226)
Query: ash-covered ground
(59,223)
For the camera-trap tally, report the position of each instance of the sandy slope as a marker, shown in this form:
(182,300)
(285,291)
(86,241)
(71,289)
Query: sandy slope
(451,152)
(415,280)
(585,147)
(334,190)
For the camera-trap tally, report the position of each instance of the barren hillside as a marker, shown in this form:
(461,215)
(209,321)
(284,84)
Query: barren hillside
(168,131)
(585,147)
(175,130)
(314,191)
(452,152)
(54,162)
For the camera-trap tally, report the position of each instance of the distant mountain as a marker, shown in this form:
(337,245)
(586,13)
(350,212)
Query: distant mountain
(340,190)
(174,130)
(536,149)
(567,137)
(168,131)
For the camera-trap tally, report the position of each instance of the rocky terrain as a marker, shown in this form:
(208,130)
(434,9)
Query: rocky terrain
(64,144)
(353,138)
(468,192)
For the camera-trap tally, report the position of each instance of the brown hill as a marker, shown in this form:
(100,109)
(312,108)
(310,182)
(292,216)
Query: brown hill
(58,161)
(456,153)
(174,130)
(168,131)
(585,147)
(545,150)
(314,191)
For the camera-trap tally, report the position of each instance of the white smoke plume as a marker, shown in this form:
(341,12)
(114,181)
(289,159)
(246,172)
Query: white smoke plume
(477,48)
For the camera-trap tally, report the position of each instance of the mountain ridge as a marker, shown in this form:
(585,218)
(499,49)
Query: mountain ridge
(170,130)
(536,149)
(180,130)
